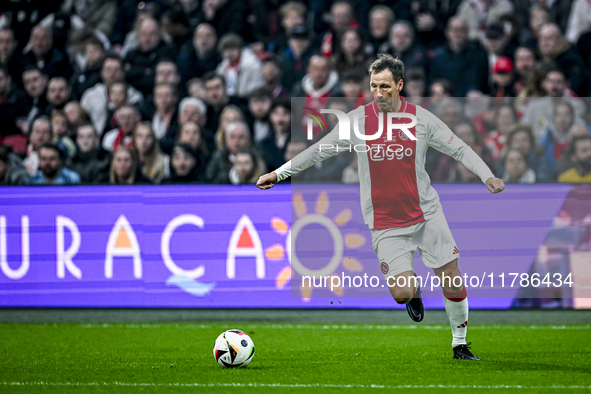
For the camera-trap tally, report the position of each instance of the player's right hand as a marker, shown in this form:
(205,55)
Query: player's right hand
(267,181)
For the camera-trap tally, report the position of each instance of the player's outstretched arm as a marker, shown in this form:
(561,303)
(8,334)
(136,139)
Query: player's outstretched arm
(267,181)
(495,185)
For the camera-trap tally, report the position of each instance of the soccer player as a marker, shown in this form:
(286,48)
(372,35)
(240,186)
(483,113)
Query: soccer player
(398,202)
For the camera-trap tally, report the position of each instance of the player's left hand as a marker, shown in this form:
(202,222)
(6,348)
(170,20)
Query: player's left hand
(495,185)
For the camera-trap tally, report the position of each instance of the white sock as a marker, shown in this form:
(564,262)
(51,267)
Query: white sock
(457,313)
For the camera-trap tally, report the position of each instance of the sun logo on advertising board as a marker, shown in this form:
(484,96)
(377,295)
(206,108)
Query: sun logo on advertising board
(333,226)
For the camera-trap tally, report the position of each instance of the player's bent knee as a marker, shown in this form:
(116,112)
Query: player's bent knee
(402,300)
(402,295)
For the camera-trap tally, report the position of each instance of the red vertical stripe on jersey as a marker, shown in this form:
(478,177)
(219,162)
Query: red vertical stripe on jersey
(394,191)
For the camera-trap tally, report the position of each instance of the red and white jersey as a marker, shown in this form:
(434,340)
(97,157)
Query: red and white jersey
(395,188)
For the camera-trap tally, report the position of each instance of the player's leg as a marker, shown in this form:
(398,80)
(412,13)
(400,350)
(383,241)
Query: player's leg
(439,252)
(395,253)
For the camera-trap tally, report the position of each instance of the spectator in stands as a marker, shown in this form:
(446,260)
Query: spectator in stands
(581,156)
(51,168)
(460,61)
(202,56)
(273,75)
(13,104)
(495,44)
(431,20)
(245,168)
(554,47)
(522,138)
(40,134)
(190,133)
(558,135)
(236,138)
(128,117)
(35,84)
(230,114)
(479,14)
(273,146)
(293,13)
(140,63)
(415,86)
(59,127)
(153,164)
(351,52)
(439,90)
(502,79)
(266,24)
(240,66)
(217,99)
(91,161)
(44,55)
(341,18)
(228,16)
(525,60)
(538,112)
(98,14)
(58,94)
(296,56)
(516,169)
(259,105)
(566,162)
(9,56)
(95,100)
(579,21)
(143,11)
(184,165)
(352,88)
(12,171)
(505,118)
(191,109)
(124,167)
(117,96)
(196,88)
(381,19)
(75,114)
(95,54)
(175,24)
(165,115)
(402,44)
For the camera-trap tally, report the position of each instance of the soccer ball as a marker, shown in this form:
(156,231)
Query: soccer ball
(233,348)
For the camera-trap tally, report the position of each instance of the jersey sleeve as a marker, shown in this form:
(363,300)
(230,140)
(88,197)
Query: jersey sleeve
(328,146)
(440,137)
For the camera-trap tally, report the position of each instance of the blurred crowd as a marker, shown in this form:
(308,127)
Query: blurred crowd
(199,91)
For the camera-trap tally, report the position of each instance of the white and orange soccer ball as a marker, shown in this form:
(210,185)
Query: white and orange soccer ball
(233,348)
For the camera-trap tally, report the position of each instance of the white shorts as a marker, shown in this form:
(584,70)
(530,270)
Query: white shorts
(395,247)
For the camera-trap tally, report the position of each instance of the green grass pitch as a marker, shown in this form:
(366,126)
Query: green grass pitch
(295,358)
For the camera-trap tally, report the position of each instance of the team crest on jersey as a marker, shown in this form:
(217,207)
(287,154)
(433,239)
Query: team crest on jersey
(385,267)
(402,135)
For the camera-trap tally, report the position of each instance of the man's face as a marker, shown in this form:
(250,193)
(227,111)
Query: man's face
(112,72)
(259,106)
(149,35)
(319,70)
(204,38)
(232,54)
(401,38)
(49,162)
(291,19)
(5,82)
(40,134)
(167,72)
(563,118)
(57,92)
(190,134)
(7,43)
(164,98)
(86,139)
(281,119)
(191,113)
(582,155)
(384,89)
(117,95)
(237,139)
(41,41)
(524,61)
(94,55)
(554,84)
(416,88)
(340,17)
(34,82)
(378,24)
(548,40)
(271,74)
(127,118)
(457,32)
(216,92)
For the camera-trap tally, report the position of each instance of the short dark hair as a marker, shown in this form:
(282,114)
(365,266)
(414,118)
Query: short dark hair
(387,61)
(51,145)
(353,75)
(230,41)
(262,92)
(573,144)
(281,102)
(211,75)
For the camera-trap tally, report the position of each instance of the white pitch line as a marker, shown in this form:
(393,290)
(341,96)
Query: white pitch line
(427,327)
(285,385)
